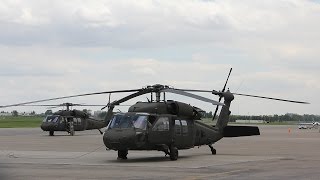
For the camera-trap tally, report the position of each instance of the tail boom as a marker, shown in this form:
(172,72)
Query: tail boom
(238,131)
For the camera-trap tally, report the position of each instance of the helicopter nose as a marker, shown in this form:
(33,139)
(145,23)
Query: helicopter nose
(119,139)
(48,126)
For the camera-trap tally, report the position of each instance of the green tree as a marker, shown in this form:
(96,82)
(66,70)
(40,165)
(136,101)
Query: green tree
(87,111)
(102,115)
(15,113)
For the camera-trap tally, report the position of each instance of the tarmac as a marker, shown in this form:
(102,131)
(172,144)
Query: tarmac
(280,152)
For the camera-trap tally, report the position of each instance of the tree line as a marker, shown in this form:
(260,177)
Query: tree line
(271,118)
(233,118)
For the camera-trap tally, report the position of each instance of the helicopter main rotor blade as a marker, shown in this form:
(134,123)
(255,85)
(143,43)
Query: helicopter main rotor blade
(239,94)
(40,105)
(195,90)
(175,91)
(62,105)
(271,98)
(99,105)
(65,97)
(126,98)
(52,107)
(225,84)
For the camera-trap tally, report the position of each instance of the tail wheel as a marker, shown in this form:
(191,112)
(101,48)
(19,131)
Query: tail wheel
(213,150)
(174,154)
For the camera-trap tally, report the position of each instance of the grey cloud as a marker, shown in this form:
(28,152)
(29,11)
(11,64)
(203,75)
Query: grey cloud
(29,74)
(146,24)
(101,45)
(133,27)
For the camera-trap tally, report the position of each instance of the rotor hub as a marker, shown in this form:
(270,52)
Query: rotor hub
(157,87)
(228,96)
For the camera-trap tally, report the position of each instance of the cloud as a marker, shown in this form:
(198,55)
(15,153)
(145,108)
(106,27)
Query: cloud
(54,48)
(80,75)
(155,23)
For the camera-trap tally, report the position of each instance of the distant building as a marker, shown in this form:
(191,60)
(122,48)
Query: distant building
(249,121)
(5,114)
(25,113)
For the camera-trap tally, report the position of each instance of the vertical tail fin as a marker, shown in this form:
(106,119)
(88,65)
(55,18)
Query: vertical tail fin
(225,111)
(232,131)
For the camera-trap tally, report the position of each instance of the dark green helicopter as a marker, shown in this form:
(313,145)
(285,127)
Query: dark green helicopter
(70,120)
(167,125)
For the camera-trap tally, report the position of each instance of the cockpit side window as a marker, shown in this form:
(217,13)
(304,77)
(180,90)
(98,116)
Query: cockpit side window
(115,122)
(51,119)
(162,124)
(140,122)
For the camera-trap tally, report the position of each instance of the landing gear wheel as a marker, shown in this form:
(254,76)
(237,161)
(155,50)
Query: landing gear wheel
(174,153)
(122,154)
(51,133)
(213,150)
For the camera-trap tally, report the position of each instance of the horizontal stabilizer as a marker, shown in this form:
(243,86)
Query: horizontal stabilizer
(237,131)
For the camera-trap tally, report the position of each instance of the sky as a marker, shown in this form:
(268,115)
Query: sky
(60,48)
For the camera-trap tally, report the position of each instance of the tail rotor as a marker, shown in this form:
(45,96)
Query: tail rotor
(221,94)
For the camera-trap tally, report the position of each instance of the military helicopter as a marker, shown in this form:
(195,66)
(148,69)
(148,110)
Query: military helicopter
(167,125)
(70,120)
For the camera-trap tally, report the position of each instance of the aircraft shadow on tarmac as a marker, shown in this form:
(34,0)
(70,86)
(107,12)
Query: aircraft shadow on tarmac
(162,158)
(64,135)
(145,159)
(166,158)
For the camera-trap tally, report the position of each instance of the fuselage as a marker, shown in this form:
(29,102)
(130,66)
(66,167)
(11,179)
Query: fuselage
(146,131)
(60,123)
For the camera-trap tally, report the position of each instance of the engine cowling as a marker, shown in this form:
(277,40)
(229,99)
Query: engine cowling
(169,107)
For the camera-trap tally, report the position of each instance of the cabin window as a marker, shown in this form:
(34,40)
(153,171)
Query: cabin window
(162,124)
(184,127)
(177,126)
(77,121)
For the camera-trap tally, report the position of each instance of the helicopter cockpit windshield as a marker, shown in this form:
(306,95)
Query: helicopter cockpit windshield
(138,121)
(51,118)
